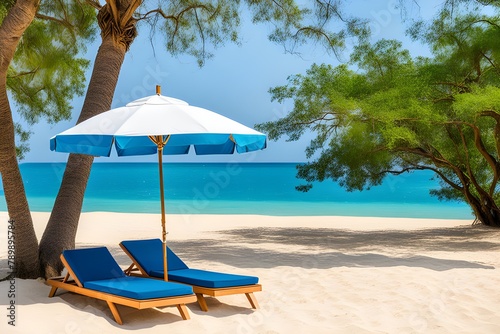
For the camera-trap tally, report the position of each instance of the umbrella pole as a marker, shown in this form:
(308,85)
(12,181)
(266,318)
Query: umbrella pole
(163,223)
(158,140)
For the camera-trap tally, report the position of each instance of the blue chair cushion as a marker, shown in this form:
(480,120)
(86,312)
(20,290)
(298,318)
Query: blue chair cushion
(209,279)
(145,253)
(92,264)
(139,287)
(149,255)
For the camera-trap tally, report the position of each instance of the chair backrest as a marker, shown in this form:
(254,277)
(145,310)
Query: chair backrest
(92,264)
(149,254)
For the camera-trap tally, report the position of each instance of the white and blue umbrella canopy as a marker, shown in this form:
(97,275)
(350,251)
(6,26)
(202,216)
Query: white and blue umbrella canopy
(161,125)
(129,129)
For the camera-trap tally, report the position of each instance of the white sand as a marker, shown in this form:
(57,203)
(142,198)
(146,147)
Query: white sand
(319,275)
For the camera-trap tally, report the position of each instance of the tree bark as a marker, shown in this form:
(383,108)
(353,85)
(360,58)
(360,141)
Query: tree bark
(61,229)
(15,23)
(486,214)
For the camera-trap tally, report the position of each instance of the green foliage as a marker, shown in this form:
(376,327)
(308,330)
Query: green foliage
(466,105)
(296,25)
(193,25)
(197,28)
(47,70)
(397,114)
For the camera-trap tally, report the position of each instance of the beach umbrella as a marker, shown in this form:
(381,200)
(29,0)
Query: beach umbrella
(159,125)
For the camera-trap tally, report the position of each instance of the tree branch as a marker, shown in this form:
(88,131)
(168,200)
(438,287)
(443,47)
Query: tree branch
(489,60)
(492,162)
(483,21)
(54,19)
(155,11)
(94,3)
(491,113)
(453,84)
(480,144)
(445,179)
(200,29)
(455,145)
(23,74)
(319,119)
(319,33)
(449,98)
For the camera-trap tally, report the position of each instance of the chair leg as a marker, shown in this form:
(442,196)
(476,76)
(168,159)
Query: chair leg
(54,289)
(52,292)
(253,301)
(183,311)
(202,302)
(115,313)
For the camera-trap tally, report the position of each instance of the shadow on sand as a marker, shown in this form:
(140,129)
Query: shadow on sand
(330,248)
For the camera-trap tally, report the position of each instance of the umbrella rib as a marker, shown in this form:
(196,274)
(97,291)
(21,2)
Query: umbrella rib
(166,140)
(158,140)
(154,139)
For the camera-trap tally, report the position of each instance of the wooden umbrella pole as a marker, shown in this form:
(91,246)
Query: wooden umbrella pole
(163,220)
(160,143)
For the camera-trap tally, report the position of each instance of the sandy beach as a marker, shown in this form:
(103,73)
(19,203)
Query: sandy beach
(319,275)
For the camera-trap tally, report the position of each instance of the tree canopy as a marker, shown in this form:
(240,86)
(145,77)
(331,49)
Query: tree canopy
(389,113)
(48,70)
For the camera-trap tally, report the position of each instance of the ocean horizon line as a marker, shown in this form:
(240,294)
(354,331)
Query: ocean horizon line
(235,188)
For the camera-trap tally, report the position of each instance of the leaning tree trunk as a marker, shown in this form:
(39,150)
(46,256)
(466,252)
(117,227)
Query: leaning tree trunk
(483,205)
(486,211)
(25,241)
(13,26)
(61,229)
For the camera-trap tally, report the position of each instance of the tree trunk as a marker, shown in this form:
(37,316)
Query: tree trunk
(484,207)
(26,243)
(486,212)
(13,26)
(61,229)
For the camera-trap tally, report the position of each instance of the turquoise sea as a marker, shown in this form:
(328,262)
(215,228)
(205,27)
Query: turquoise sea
(235,188)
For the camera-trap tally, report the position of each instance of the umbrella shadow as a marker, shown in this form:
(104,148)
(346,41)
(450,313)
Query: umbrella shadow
(464,238)
(330,248)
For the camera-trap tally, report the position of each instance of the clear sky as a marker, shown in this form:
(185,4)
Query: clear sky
(234,83)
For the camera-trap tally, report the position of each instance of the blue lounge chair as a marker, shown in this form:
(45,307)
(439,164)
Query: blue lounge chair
(147,259)
(94,273)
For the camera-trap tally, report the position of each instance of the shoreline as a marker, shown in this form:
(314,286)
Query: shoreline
(181,226)
(279,209)
(319,274)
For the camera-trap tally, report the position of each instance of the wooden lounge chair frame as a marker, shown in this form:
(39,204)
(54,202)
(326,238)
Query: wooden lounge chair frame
(135,269)
(71,283)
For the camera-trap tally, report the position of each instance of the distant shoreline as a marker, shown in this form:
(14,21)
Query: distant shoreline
(368,216)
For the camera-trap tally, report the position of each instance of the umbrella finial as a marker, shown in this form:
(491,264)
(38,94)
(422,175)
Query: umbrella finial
(158,89)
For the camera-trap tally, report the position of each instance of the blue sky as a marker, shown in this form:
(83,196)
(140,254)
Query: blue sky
(234,83)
